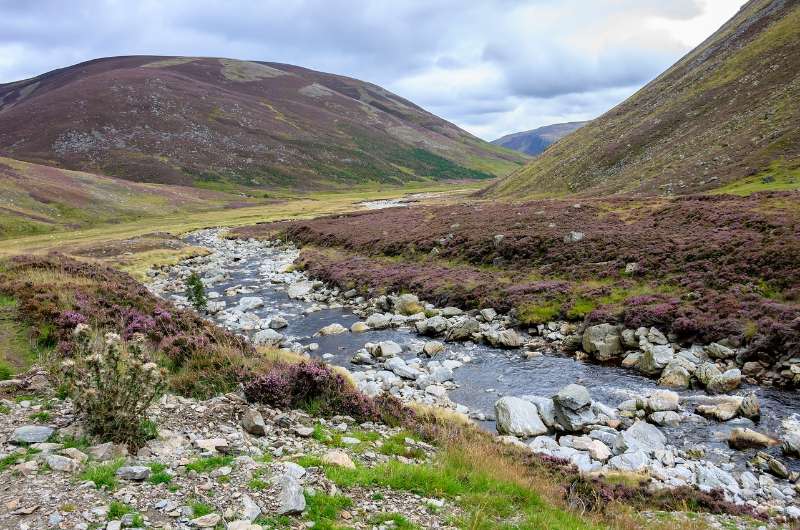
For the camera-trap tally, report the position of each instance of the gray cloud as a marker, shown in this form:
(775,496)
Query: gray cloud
(493,66)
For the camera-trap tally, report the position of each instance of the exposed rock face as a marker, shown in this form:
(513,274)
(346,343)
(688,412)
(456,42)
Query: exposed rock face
(518,417)
(603,341)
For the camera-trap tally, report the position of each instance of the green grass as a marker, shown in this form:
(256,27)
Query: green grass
(159,474)
(103,475)
(778,177)
(324,509)
(309,461)
(400,522)
(209,463)
(270,522)
(488,500)
(199,509)
(538,313)
(82,443)
(4,409)
(9,460)
(580,308)
(396,445)
(117,510)
(41,416)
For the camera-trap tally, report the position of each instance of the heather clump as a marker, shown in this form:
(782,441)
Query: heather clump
(312,386)
(112,382)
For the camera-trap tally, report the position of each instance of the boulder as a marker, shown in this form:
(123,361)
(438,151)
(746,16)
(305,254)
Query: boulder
(433,326)
(507,338)
(750,407)
(573,237)
(359,327)
(432,348)
(488,314)
(209,520)
(665,418)
(705,372)
(662,400)
(388,348)
(290,495)
(573,397)
(710,477)
(675,375)
(722,409)
(339,459)
(655,358)
(332,329)
(603,341)
(725,382)
(629,339)
(518,417)
(463,329)
(379,321)
(267,337)
(744,438)
(791,443)
(654,336)
(31,434)
(634,462)
(278,322)
(253,422)
(640,436)
(300,289)
(450,311)
(135,473)
(718,351)
(399,367)
(546,408)
(62,463)
(248,303)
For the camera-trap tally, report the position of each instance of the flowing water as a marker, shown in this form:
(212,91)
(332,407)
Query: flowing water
(492,372)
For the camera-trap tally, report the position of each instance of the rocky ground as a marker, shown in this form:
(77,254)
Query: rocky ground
(219,463)
(597,438)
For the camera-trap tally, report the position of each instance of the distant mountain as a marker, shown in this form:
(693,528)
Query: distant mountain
(224,123)
(535,141)
(726,113)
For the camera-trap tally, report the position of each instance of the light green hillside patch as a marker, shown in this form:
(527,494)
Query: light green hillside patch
(248,71)
(777,178)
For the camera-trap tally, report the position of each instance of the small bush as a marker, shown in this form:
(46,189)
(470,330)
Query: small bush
(196,292)
(311,386)
(112,383)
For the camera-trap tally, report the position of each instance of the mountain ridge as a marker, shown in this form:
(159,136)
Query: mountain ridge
(724,113)
(534,141)
(225,123)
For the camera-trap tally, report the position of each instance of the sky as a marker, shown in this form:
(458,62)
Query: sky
(492,67)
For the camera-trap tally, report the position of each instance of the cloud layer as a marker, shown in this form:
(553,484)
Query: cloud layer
(491,66)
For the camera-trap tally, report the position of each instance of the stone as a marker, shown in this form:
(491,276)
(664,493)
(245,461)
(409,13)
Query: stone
(603,341)
(135,473)
(629,339)
(666,418)
(546,408)
(250,510)
(359,327)
(440,374)
(206,521)
(463,329)
(507,338)
(710,477)
(399,367)
(634,461)
(107,451)
(641,436)
(723,409)
(573,397)
(432,348)
(76,455)
(705,372)
(573,237)
(31,434)
(655,358)
(750,407)
(62,463)
(596,449)
(662,400)
(278,322)
(632,359)
(450,311)
(744,438)
(379,321)
(338,458)
(244,525)
(388,348)
(718,351)
(332,329)
(654,336)
(248,303)
(290,495)
(675,375)
(778,468)
(211,444)
(791,443)
(518,417)
(725,382)
(300,289)
(267,337)
(488,314)
(435,325)
(253,422)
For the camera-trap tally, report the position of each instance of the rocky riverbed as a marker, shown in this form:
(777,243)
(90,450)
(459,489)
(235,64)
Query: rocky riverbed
(545,387)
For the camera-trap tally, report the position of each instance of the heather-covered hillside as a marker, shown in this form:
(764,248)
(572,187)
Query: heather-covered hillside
(535,141)
(223,123)
(725,113)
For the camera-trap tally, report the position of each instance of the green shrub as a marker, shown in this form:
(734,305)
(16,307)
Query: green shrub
(196,292)
(113,382)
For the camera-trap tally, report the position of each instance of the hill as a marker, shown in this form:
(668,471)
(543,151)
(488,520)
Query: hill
(535,141)
(725,115)
(224,124)
(38,199)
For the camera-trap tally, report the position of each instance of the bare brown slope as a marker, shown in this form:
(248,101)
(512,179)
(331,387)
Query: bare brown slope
(222,123)
(727,110)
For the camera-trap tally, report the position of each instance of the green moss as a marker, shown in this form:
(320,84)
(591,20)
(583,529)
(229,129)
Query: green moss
(580,308)
(538,312)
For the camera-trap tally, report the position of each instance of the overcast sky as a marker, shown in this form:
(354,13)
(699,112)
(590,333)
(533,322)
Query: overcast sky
(490,66)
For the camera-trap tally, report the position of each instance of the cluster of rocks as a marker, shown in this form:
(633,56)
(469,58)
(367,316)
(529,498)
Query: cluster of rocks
(44,485)
(600,439)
